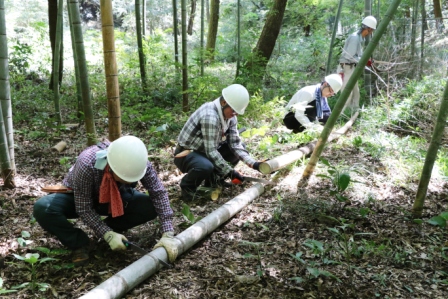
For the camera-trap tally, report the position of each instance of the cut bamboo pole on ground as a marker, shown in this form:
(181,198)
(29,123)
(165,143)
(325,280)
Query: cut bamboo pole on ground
(60,146)
(291,157)
(125,280)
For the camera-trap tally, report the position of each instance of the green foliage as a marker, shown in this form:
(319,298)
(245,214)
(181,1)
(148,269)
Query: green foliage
(313,266)
(33,260)
(278,210)
(19,58)
(257,246)
(340,178)
(442,161)
(65,162)
(315,273)
(3,290)
(417,105)
(316,247)
(23,242)
(439,220)
(188,216)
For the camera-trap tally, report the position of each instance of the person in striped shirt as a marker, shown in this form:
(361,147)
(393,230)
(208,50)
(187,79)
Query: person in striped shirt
(102,183)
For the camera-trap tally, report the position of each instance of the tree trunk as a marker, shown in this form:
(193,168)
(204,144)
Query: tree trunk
(7,164)
(141,55)
(422,38)
(414,28)
(52,21)
(192,15)
(367,73)
(110,67)
(202,36)
(184,58)
(256,68)
(79,114)
(431,155)
(346,92)
(175,33)
(144,18)
(438,15)
(333,35)
(424,21)
(56,59)
(212,29)
(83,73)
(238,38)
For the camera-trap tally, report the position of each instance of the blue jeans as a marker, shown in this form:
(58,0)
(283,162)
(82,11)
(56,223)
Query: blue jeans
(53,211)
(199,168)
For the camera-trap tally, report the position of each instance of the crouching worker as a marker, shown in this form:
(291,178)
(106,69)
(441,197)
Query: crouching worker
(310,104)
(102,182)
(209,145)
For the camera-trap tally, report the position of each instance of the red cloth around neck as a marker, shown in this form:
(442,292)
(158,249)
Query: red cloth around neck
(109,194)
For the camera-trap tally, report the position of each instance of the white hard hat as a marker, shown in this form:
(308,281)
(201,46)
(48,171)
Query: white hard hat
(370,21)
(127,157)
(237,97)
(335,82)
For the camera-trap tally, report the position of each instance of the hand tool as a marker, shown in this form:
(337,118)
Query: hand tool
(140,250)
(251,179)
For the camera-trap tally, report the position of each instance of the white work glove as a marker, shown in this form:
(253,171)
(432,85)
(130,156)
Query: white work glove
(317,127)
(115,240)
(170,244)
(300,106)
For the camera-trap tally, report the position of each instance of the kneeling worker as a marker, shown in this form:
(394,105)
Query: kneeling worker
(212,143)
(310,104)
(102,182)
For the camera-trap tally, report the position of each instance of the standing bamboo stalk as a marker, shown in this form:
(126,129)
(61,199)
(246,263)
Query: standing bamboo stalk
(175,32)
(431,155)
(56,60)
(110,67)
(184,58)
(346,92)
(202,38)
(333,35)
(238,37)
(6,131)
(141,55)
(83,73)
(75,63)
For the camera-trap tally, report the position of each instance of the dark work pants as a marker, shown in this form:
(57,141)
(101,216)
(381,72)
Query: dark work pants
(293,124)
(199,168)
(53,211)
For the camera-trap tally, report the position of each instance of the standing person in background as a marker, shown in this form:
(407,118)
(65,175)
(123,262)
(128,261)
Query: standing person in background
(102,182)
(351,53)
(209,145)
(310,104)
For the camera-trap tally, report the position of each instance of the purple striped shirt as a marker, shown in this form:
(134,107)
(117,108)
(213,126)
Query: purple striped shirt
(85,180)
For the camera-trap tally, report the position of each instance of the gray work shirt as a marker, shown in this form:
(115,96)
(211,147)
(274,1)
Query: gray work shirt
(352,49)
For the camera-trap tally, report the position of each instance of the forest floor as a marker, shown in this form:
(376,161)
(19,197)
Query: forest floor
(288,243)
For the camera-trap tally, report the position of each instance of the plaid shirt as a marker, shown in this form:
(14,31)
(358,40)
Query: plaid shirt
(85,180)
(352,51)
(203,132)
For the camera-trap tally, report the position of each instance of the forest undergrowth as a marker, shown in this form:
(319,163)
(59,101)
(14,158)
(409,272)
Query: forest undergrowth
(330,239)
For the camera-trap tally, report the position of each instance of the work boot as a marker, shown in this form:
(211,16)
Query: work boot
(80,256)
(188,195)
(217,183)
